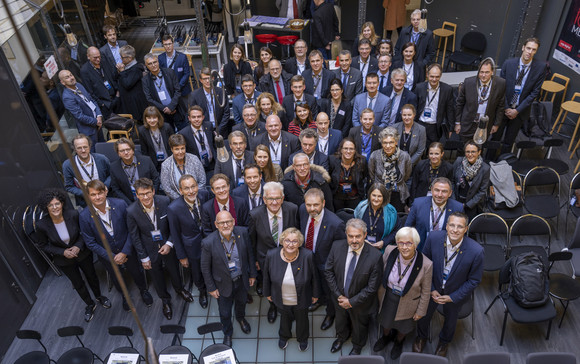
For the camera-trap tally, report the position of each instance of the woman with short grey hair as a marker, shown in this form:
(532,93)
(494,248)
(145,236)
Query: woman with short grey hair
(131,94)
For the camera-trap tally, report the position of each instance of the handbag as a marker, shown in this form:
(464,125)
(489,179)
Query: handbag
(116,122)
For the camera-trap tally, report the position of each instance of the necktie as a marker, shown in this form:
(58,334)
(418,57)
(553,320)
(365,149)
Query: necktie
(484,91)
(436,214)
(249,101)
(275,229)
(519,80)
(253,200)
(382,84)
(350,273)
(370,104)
(279,92)
(239,169)
(196,215)
(225,208)
(295,9)
(201,141)
(344,80)
(310,235)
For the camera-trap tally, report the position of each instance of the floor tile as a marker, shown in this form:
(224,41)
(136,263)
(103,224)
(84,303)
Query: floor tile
(191,326)
(213,308)
(253,309)
(268,351)
(245,349)
(196,310)
(321,311)
(195,346)
(253,321)
(322,352)
(316,321)
(293,353)
(268,330)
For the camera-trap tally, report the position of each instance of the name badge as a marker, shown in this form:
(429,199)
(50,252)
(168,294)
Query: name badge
(446,273)
(371,239)
(160,156)
(156,235)
(162,95)
(107,84)
(240,181)
(180,69)
(275,160)
(232,266)
(481,109)
(398,290)
(518,89)
(427,113)
(204,157)
(347,188)
(340,112)
(364,154)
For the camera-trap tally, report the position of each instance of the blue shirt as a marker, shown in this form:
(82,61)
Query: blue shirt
(115,51)
(162,90)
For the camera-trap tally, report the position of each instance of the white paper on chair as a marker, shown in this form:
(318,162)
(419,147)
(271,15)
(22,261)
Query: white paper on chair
(173,358)
(223,357)
(123,358)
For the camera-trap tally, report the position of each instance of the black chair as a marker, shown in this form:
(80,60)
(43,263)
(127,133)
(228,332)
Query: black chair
(419,358)
(33,357)
(528,228)
(519,314)
(574,247)
(523,166)
(507,213)
(546,205)
(361,359)
(465,310)
(487,358)
(574,185)
(495,251)
(127,332)
(556,164)
(453,145)
(215,348)
(79,355)
(108,150)
(345,214)
(551,358)
(176,330)
(473,45)
(562,286)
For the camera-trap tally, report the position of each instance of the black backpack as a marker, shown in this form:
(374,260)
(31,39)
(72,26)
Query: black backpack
(539,123)
(528,280)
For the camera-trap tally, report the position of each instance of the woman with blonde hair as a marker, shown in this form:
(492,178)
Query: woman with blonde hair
(267,105)
(368,32)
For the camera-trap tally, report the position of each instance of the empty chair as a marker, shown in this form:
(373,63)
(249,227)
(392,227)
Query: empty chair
(176,330)
(33,357)
(551,358)
(519,314)
(574,247)
(473,45)
(345,214)
(214,348)
(545,203)
(361,359)
(487,358)
(562,286)
(419,358)
(495,249)
(79,355)
(574,185)
(127,332)
(525,233)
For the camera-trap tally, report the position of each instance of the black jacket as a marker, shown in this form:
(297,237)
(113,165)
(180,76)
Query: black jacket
(291,66)
(120,186)
(230,72)
(319,178)
(222,114)
(421,185)
(445,107)
(418,72)
(425,46)
(343,118)
(94,81)
(359,172)
(325,25)
(140,227)
(148,146)
(267,85)
(133,100)
(327,76)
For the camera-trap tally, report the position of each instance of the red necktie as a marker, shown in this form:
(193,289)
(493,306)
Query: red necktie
(279,92)
(310,235)
(295,6)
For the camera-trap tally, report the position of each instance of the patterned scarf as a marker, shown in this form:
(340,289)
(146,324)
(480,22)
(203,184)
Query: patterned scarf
(303,185)
(470,170)
(390,170)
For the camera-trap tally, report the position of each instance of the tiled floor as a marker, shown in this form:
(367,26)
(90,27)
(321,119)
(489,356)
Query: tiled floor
(261,345)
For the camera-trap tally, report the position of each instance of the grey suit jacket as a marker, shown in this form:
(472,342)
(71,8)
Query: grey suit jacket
(417,142)
(227,167)
(381,107)
(107,55)
(354,85)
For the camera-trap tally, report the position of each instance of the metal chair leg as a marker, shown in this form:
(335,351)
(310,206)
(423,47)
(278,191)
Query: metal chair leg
(503,327)
(565,310)
(472,325)
(491,304)
(549,328)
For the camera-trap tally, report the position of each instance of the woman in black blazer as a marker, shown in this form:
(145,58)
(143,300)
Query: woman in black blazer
(427,170)
(235,69)
(154,136)
(414,69)
(133,100)
(58,233)
(338,109)
(349,171)
(291,282)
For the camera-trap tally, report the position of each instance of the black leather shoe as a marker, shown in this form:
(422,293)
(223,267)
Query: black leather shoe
(327,323)
(147,298)
(397,349)
(90,312)
(250,299)
(228,340)
(355,351)
(419,345)
(186,295)
(441,349)
(203,299)
(282,344)
(303,346)
(104,301)
(336,345)
(167,311)
(260,290)
(313,307)
(272,313)
(384,341)
(126,305)
(245,326)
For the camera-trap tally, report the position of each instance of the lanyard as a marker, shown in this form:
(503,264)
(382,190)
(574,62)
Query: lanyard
(133,168)
(100,70)
(522,72)
(317,78)
(436,222)
(154,220)
(373,225)
(229,253)
(109,223)
(84,169)
(160,84)
(346,172)
(429,101)
(276,149)
(479,89)
(408,70)
(179,169)
(200,140)
(323,147)
(447,261)
(157,139)
(401,276)
(365,145)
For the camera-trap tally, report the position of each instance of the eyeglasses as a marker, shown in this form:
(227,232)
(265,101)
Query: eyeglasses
(145,194)
(405,244)
(225,223)
(273,198)
(54,205)
(291,242)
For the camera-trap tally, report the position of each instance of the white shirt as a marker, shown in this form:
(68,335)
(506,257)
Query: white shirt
(317,221)
(62,232)
(410,76)
(227,205)
(258,194)
(349,257)
(85,169)
(431,216)
(301,66)
(431,103)
(323,144)
(276,149)
(450,251)
(280,222)
(197,142)
(289,295)
(106,218)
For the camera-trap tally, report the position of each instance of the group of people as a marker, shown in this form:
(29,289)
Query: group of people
(303,144)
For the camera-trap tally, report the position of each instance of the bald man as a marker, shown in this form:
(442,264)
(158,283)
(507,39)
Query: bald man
(101,83)
(78,101)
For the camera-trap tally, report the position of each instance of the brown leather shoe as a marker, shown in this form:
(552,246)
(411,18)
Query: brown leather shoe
(419,345)
(441,349)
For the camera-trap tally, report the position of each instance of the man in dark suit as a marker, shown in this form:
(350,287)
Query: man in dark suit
(457,270)
(184,216)
(90,165)
(267,222)
(229,270)
(297,86)
(162,90)
(238,207)
(366,135)
(328,139)
(430,213)
(149,229)
(384,73)
(110,51)
(317,78)
(248,96)
(435,105)
(353,272)
(178,62)
(321,229)
(129,168)
(239,158)
(113,215)
(101,82)
(210,103)
(292,12)
(424,43)
(351,78)
(277,82)
(324,26)
(524,77)
(251,190)
(199,138)
(87,114)
(400,96)
(308,142)
(251,127)
(281,143)
(364,62)
(299,63)
(480,95)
